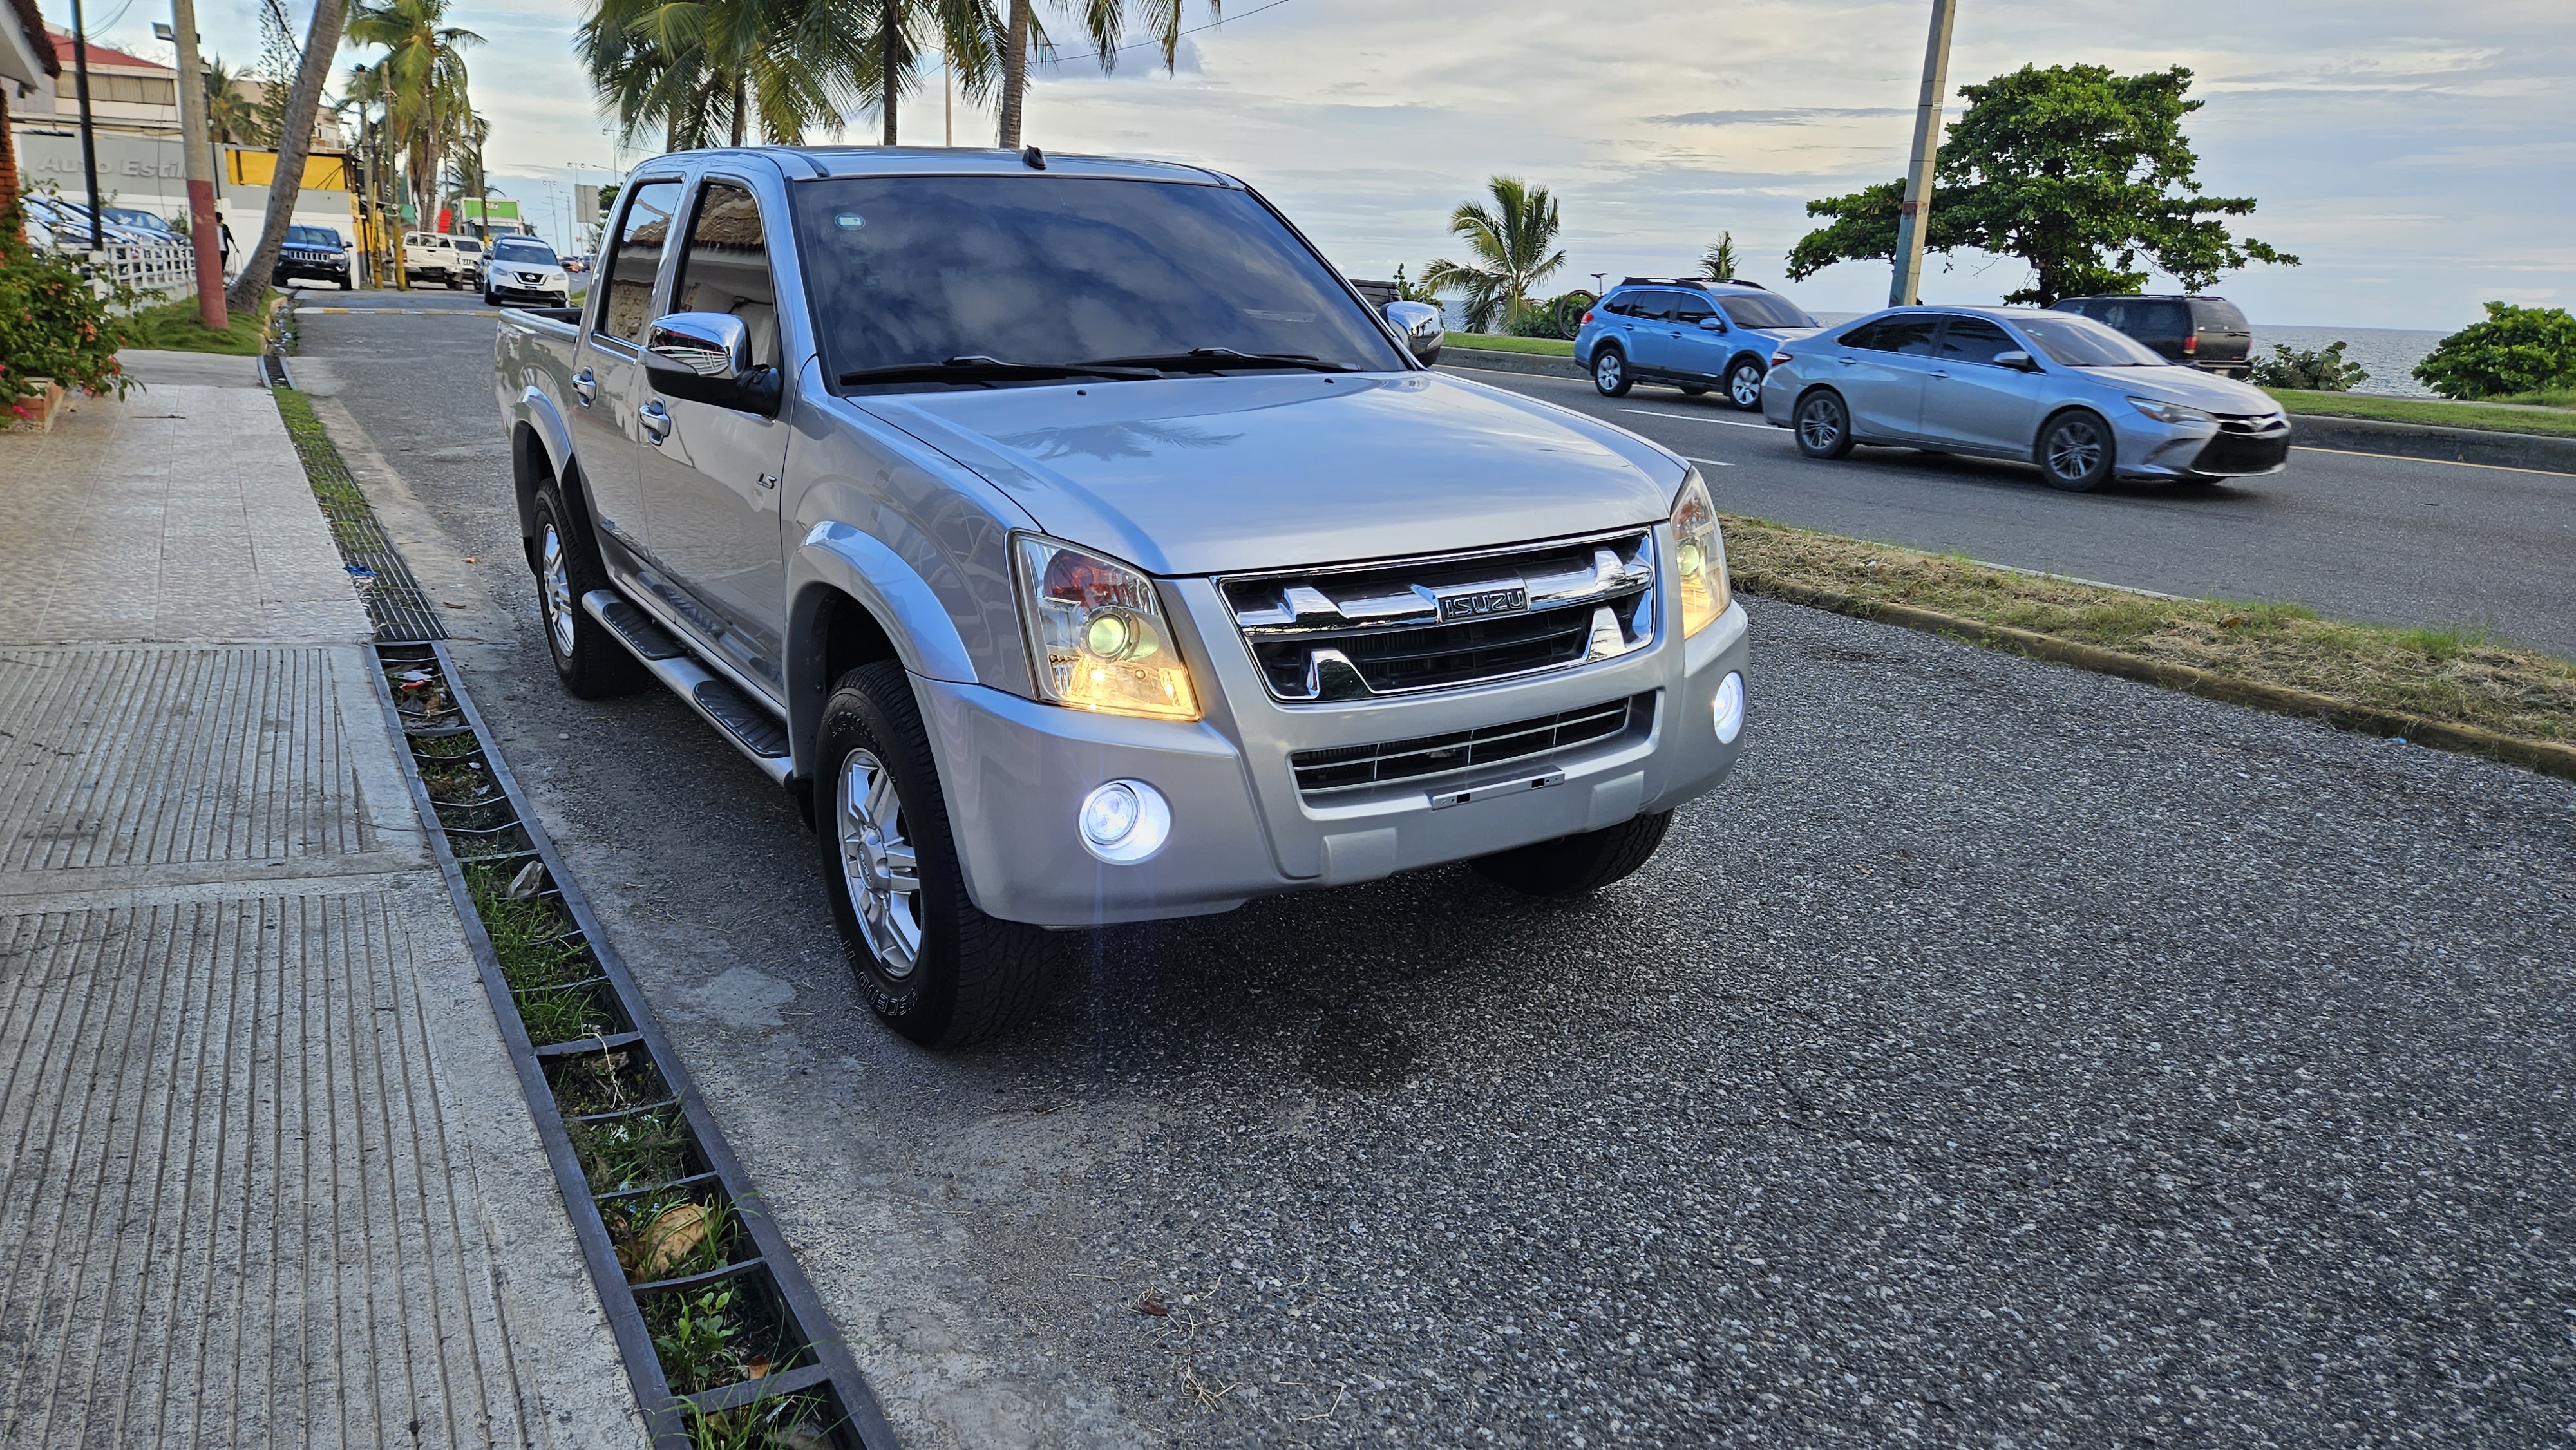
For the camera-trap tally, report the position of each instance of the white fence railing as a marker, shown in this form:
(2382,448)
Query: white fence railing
(165,271)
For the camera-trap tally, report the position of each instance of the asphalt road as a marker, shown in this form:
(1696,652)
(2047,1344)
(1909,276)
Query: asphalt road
(2388,540)
(2007,1055)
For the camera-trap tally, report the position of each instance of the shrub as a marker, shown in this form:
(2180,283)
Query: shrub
(52,325)
(2309,370)
(2516,350)
(1558,317)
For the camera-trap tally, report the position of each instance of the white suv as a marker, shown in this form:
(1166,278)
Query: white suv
(435,257)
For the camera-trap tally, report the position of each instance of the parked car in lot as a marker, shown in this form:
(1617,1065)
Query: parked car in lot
(2085,403)
(525,269)
(2208,333)
(1075,547)
(437,257)
(312,254)
(1692,334)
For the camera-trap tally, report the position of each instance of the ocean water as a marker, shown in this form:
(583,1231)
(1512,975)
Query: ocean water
(2387,354)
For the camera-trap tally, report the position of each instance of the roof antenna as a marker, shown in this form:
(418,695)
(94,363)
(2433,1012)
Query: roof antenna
(1033,158)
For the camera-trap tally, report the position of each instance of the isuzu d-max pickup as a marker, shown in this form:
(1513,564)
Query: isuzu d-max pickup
(1078,547)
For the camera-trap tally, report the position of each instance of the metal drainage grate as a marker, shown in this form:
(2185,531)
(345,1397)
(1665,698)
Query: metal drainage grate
(682,1249)
(395,604)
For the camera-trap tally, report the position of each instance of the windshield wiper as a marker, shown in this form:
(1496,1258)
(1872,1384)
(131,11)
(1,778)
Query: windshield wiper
(1209,359)
(981,369)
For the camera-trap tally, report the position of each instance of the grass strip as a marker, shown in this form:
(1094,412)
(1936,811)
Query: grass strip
(1491,342)
(2454,688)
(174,327)
(2439,413)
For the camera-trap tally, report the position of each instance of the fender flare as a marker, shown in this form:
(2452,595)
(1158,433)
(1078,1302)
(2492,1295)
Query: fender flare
(537,413)
(834,558)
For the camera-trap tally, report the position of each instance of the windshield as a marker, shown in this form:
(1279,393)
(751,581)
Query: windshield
(132,218)
(1032,269)
(1763,312)
(523,249)
(2080,342)
(312,237)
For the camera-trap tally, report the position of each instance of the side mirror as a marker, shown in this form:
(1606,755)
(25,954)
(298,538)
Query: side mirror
(2017,359)
(705,357)
(1420,324)
(1712,324)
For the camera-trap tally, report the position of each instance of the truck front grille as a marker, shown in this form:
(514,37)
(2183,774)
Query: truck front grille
(1428,762)
(1441,622)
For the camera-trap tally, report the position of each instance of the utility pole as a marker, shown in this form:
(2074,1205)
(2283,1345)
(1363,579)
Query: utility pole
(89,141)
(948,95)
(1914,218)
(205,226)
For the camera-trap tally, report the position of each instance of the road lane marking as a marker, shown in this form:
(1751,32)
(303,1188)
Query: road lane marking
(1695,418)
(2445,462)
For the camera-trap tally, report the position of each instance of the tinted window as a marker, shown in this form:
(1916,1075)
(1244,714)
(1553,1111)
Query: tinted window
(1758,311)
(1690,307)
(647,228)
(727,267)
(1863,336)
(466,245)
(312,237)
(1650,306)
(1032,268)
(1973,339)
(2216,314)
(2080,342)
(523,249)
(1911,335)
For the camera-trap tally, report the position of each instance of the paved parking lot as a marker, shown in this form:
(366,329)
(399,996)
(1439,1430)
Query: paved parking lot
(2008,1055)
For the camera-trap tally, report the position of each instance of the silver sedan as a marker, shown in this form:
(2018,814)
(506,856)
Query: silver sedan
(2085,403)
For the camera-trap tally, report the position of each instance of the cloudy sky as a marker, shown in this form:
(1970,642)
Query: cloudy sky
(2420,158)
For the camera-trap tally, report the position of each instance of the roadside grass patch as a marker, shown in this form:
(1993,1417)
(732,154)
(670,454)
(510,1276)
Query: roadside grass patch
(174,327)
(1491,342)
(2437,412)
(796,1421)
(2462,675)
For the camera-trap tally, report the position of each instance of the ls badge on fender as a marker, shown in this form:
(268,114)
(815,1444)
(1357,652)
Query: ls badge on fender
(1481,603)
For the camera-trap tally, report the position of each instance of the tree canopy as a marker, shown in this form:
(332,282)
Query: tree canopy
(1512,249)
(2075,170)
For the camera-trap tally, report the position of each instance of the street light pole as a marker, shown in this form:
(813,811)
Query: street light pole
(205,227)
(1914,217)
(89,140)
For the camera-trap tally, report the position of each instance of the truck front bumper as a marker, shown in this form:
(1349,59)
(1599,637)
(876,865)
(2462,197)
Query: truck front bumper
(1015,773)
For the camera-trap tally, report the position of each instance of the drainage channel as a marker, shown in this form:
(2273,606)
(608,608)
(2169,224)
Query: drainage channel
(720,1331)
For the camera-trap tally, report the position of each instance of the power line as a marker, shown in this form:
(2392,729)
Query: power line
(1143,44)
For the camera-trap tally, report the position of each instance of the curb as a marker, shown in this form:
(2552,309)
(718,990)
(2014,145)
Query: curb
(2311,430)
(2543,756)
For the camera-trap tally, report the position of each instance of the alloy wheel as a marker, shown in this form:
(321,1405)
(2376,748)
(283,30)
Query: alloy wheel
(555,575)
(1744,385)
(1820,424)
(2074,450)
(878,865)
(1606,371)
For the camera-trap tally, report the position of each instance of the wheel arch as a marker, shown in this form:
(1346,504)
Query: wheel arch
(851,601)
(2110,435)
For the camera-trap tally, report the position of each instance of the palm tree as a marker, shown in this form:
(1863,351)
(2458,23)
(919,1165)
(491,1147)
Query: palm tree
(1717,264)
(969,31)
(294,143)
(230,115)
(1515,250)
(710,72)
(1104,24)
(421,84)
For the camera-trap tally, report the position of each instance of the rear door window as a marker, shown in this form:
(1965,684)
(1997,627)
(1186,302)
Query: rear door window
(1912,335)
(1974,340)
(1651,306)
(637,261)
(1864,337)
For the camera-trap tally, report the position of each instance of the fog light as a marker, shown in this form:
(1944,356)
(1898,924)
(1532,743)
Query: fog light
(1124,822)
(1730,708)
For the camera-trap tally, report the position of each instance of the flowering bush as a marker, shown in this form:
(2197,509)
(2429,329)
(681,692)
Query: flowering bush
(52,324)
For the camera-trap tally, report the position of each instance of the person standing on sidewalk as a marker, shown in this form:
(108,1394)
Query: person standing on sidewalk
(224,240)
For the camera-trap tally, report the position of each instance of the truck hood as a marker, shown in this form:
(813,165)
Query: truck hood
(1218,475)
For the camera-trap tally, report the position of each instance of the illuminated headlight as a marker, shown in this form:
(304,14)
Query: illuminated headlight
(1729,708)
(2164,412)
(1699,555)
(1097,639)
(1124,822)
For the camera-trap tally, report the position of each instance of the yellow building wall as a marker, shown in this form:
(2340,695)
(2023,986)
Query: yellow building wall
(259,168)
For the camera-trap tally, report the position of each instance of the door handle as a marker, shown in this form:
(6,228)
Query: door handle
(656,422)
(1939,374)
(1848,361)
(585,387)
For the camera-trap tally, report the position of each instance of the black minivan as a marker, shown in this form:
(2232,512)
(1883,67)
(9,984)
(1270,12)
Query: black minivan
(2206,332)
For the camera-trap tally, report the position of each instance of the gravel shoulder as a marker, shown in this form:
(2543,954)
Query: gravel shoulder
(2006,1054)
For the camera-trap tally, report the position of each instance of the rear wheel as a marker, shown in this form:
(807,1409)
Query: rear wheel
(1823,425)
(2076,452)
(1577,865)
(936,968)
(592,664)
(1610,373)
(1744,384)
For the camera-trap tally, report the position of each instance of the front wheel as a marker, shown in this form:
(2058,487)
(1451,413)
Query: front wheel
(2075,452)
(1744,385)
(1823,425)
(1577,865)
(1610,374)
(590,662)
(936,968)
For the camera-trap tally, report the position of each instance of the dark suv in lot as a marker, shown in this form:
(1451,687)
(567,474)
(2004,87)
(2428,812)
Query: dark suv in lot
(2206,332)
(314,254)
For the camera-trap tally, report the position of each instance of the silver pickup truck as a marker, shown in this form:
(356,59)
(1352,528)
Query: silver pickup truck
(1077,547)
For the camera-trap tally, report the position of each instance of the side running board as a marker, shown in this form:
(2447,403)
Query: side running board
(740,719)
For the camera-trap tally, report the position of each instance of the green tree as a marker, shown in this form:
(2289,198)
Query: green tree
(2075,170)
(719,72)
(294,143)
(1513,249)
(969,32)
(2309,369)
(232,117)
(1717,264)
(2516,350)
(421,84)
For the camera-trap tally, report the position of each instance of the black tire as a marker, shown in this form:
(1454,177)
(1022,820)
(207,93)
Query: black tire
(1610,375)
(1823,425)
(1693,390)
(590,661)
(1744,384)
(2076,452)
(348,284)
(970,976)
(1576,865)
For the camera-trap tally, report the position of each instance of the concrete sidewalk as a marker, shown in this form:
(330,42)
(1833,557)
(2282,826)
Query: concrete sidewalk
(269,1178)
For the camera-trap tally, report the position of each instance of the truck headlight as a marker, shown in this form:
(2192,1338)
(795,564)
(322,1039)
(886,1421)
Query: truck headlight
(1097,639)
(2164,412)
(1699,555)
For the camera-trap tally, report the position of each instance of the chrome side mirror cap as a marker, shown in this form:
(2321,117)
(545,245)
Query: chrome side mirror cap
(1420,324)
(706,344)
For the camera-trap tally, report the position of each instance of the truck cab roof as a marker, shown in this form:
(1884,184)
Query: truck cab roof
(814,163)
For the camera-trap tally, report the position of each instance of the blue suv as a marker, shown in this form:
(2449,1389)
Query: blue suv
(1693,334)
